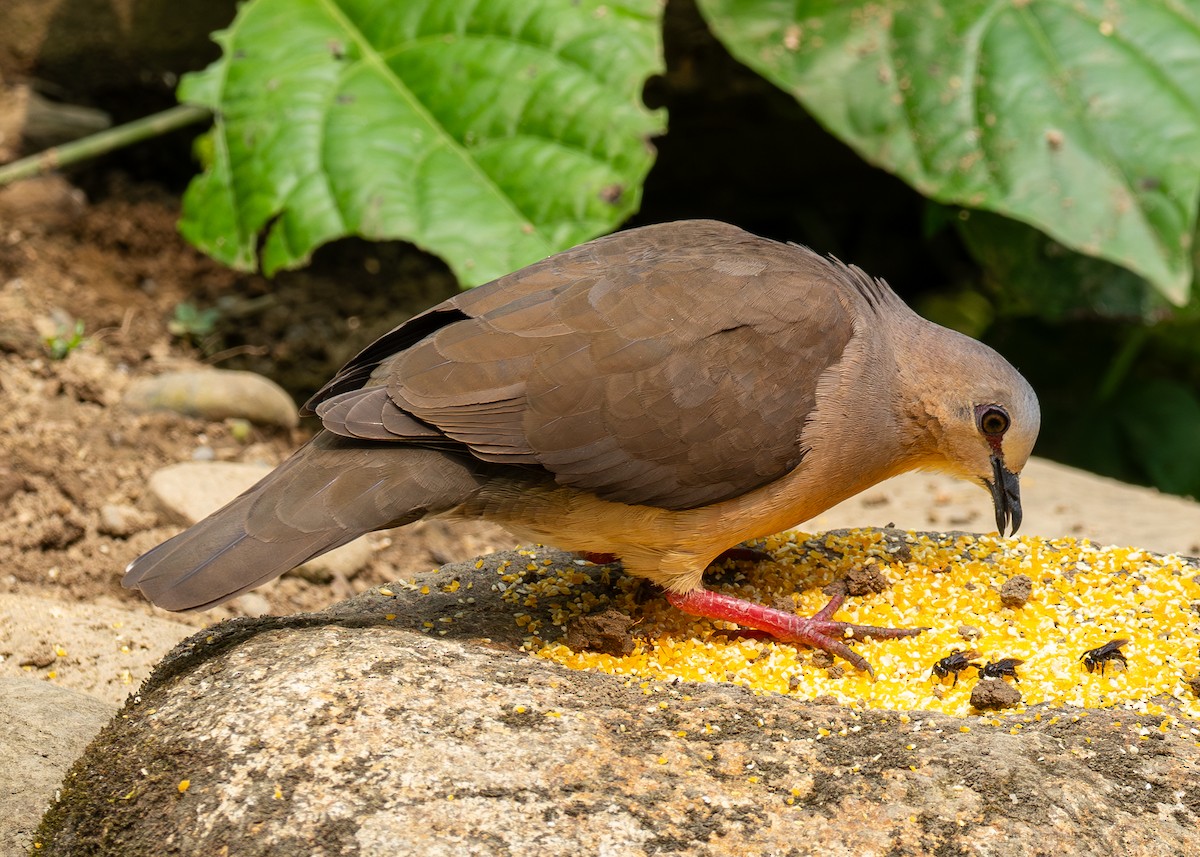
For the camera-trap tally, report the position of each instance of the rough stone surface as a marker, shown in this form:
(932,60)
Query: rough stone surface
(214,394)
(191,490)
(349,732)
(42,729)
(1016,591)
(994,694)
(101,650)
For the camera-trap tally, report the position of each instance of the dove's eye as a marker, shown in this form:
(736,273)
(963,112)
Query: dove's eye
(993,421)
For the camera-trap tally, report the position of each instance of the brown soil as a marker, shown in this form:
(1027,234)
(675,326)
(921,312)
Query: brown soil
(68,447)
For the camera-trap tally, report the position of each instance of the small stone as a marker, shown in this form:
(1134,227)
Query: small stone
(215,394)
(122,521)
(1194,684)
(37,660)
(1016,591)
(969,632)
(606,632)
(994,693)
(251,604)
(240,429)
(822,659)
(866,578)
(192,490)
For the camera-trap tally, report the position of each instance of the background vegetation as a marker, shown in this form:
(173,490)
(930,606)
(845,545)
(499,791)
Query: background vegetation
(1027,171)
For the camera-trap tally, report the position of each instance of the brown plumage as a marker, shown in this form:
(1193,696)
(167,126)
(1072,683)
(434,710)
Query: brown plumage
(661,394)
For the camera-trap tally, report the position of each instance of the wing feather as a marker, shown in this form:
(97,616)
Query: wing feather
(671,365)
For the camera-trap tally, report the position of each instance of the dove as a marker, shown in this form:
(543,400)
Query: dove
(662,395)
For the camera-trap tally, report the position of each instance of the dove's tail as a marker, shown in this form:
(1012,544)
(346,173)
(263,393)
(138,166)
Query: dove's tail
(331,491)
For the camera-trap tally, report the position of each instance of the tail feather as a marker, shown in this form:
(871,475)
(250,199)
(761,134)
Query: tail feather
(330,492)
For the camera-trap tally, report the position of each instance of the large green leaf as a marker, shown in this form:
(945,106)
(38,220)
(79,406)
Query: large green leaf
(1036,275)
(1080,117)
(489,132)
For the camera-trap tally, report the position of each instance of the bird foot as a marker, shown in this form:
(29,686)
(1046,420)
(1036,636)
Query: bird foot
(821,630)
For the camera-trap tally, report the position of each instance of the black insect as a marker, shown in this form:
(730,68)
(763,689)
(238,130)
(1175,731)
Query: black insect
(1002,667)
(1098,657)
(954,663)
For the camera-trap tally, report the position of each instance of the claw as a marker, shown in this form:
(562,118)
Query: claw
(820,631)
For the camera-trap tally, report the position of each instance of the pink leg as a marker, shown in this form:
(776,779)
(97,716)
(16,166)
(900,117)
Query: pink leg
(820,631)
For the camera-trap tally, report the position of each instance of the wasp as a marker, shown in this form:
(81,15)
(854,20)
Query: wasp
(1002,667)
(1098,657)
(954,663)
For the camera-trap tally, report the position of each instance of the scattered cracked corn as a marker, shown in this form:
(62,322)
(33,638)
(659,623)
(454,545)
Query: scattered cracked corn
(1084,595)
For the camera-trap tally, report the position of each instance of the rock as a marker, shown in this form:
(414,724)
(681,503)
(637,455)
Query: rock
(866,578)
(252,604)
(1016,590)
(352,731)
(43,728)
(994,693)
(606,632)
(97,649)
(969,632)
(214,394)
(122,521)
(191,490)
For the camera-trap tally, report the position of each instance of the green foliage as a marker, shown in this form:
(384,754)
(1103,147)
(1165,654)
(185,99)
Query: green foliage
(1079,118)
(193,324)
(64,341)
(1058,141)
(491,132)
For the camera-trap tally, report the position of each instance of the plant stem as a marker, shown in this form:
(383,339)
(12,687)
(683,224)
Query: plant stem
(103,142)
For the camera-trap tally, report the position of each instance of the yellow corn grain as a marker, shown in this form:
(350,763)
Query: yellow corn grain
(1083,596)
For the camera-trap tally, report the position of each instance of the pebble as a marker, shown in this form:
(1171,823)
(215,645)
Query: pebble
(215,394)
(192,490)
(1016,590)
(252,604)
(994,693)
(122,521)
